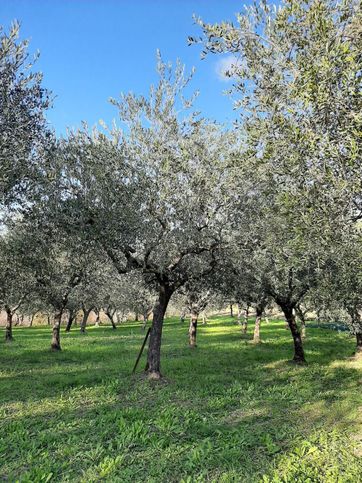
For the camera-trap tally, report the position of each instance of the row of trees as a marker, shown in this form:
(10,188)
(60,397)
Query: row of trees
(268,212)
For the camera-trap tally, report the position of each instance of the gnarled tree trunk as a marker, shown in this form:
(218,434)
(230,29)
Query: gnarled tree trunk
(153,366)
(299,357)
(193,328)
(55,345)
(9,325)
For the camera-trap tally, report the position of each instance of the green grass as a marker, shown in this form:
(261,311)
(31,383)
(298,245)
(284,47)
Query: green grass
(226,411)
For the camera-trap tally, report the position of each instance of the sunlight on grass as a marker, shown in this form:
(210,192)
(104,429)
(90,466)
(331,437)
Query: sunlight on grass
(227,411)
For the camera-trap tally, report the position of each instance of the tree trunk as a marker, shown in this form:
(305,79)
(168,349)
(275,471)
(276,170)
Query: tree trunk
(136,317)
(70,320)
(239,314)
(259,313)
(145,319)
(9,325)
(245,321)
(110,316)
(55,345)
(153,366)
(359,343)
(301,317)
(32,319)
(48,317)
(204,319)
(97,318)
(182,316)
(193,328)
(299,357)
(231,310)
(84,319)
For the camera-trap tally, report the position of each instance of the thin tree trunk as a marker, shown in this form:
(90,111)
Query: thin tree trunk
(97,318)
(359,343)
(9,325)
(204,319)
(259,313)
(239,314)
(48,317)
(83,324)
(153,366)
(193,328)
(110,316)
(245,321)
(182,316)
(231,310)
(136,317)
(55,345)
(299,357)
(32,319)
(145,319)
(70,320)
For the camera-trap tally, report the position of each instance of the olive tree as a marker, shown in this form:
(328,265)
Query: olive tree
(23,130)
(155,197)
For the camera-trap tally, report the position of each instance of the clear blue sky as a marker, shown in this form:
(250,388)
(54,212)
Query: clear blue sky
(94,49)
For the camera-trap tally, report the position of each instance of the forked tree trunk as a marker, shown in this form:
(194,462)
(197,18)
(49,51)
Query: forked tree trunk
(55,345)
(193,328)
(9,325)
(153,366)
(83,325)
(359,343)
(245,321)
(299,357)
(259,313)
(70,320)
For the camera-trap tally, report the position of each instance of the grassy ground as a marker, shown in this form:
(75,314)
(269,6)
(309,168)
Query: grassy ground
(227,411)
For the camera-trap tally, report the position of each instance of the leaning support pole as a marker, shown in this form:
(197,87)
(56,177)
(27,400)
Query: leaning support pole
(143,346)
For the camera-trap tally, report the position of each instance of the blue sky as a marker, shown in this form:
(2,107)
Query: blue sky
(94,49)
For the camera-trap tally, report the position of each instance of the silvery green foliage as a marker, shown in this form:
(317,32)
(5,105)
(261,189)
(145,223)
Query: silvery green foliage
(297,82)
(23,130)
(17,280)
(156,197)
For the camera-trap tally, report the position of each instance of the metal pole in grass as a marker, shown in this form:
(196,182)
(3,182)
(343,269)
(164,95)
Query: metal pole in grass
(143,346)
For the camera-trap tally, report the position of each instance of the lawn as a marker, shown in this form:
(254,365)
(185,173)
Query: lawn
(226,411)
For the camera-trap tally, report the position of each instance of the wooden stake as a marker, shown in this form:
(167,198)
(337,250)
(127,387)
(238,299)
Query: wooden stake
(143,346)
